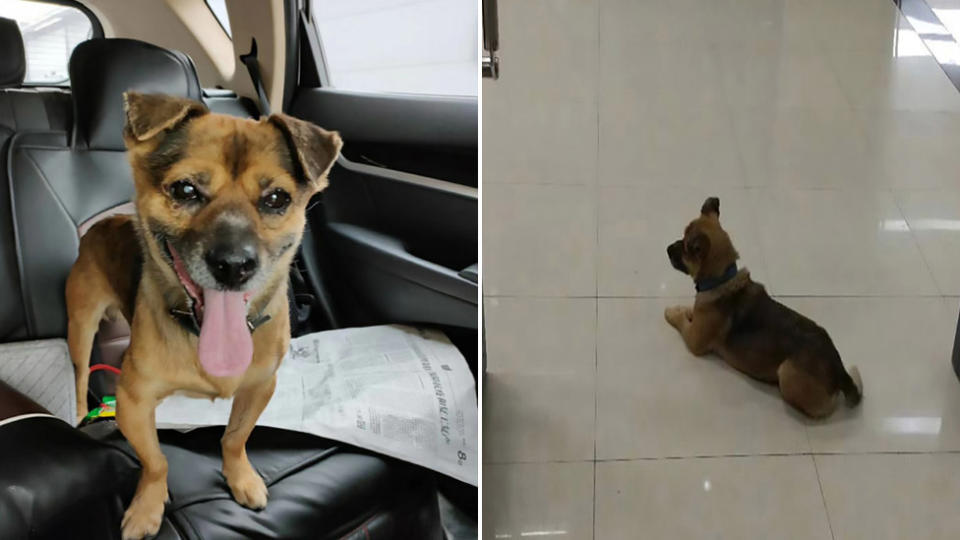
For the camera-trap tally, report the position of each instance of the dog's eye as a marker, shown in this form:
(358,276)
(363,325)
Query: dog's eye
(275,201)
(184,191)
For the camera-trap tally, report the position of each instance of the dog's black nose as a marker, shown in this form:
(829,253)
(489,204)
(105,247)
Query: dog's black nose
(232,264)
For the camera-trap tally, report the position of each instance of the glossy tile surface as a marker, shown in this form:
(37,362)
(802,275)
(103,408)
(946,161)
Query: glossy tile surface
(790,76)
(933,217)
(832,137)
(889,497)
(911,82)
(538,500)
(804,148)
(544,348)
(561,148)
(914,150)
(743,497)
(840,243)
(685,147)
(539,240)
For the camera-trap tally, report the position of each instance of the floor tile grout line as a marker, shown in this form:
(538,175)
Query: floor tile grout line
(596,405)
(823,498)
(790,454)
(871,188)
(593,532)
(816,470)
(916,241)
(596,268)
(690,297)
(732,187)
(541,462)
(732,456)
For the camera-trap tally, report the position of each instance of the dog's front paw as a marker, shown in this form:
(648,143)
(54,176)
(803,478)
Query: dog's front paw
(676,315)
(143,517)
(247,487)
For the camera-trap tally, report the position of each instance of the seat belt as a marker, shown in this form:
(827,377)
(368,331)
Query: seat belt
(300,303)
(253,66)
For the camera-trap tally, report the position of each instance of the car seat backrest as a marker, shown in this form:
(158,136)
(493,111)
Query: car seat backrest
(13,61)
(60,180)
(21,109)
(101,70)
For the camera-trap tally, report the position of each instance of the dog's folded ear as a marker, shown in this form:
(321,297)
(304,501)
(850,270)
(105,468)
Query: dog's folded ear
(314,148)
(146,115)
(711,206)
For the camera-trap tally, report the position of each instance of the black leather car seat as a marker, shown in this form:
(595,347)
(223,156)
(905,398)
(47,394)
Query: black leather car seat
(76,484)
(21,110)
(62,179)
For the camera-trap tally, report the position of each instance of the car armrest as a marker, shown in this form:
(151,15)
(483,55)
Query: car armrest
(471,273)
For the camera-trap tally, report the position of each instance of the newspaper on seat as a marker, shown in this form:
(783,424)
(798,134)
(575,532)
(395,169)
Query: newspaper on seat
(397,390)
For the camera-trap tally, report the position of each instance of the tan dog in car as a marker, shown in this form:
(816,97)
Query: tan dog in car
(734,317)
(201,274)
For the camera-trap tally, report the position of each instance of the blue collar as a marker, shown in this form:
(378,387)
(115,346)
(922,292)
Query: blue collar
(712,283)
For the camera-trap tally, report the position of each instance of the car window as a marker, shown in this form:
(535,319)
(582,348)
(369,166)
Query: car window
(219,10)
(409,46)
(50,33)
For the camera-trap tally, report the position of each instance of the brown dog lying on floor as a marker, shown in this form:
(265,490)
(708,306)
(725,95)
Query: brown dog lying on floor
(201,274)
(734,317)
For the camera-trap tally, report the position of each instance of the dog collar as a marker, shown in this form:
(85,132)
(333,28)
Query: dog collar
(188,320)
(712,283)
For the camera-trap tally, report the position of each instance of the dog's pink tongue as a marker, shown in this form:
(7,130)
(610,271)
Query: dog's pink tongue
(226,347)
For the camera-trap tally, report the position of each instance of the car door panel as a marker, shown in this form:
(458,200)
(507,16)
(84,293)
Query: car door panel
(400,239)
(394,118)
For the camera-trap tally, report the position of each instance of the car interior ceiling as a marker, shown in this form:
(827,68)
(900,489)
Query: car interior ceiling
(393,240)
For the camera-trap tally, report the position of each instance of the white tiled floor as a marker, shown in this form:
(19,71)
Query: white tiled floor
(832,138)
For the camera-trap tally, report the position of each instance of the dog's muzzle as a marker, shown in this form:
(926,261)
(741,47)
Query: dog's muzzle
(231,254)
(675,253)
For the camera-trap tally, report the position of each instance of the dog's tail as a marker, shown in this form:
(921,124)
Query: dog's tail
(852,386)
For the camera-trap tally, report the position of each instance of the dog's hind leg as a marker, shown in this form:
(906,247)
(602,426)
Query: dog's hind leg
(81,329)
(91,294)
(87,303)
(805,392)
